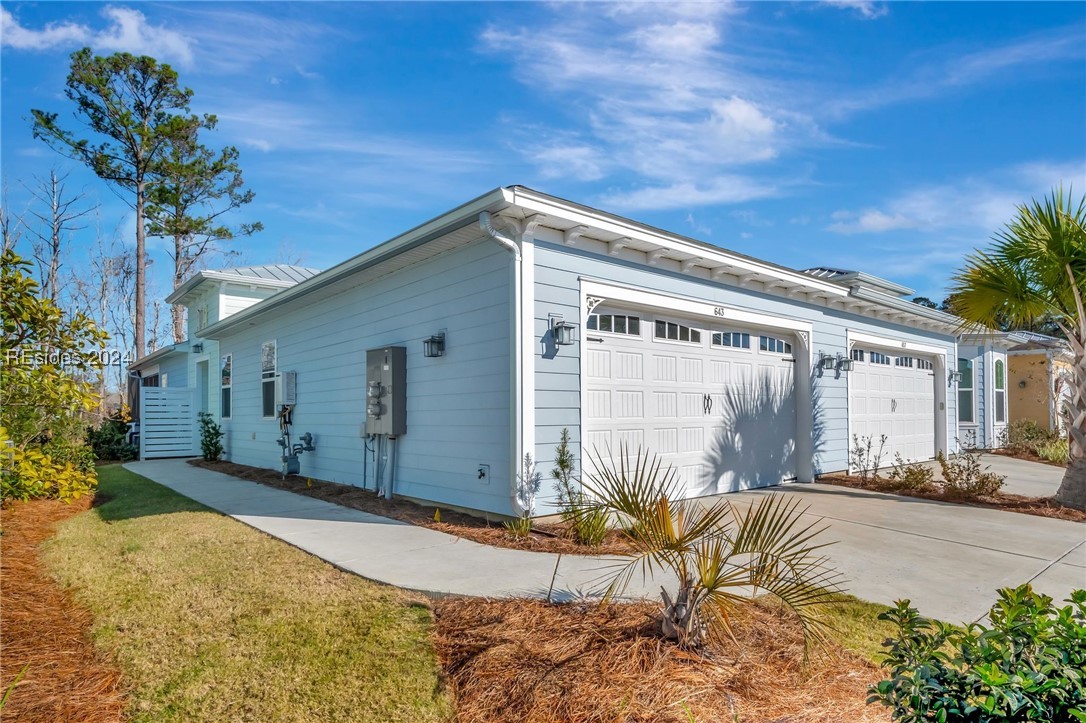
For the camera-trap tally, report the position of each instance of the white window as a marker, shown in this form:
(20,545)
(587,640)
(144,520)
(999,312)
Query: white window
(225,368)
(879,358)
(267,379)
(965,391)
(1000,392)
(736,339)
(615,324)
(924,364)
(774,345)
(201,317)
(671,331)
(904,361)
(164,379)
(858,355)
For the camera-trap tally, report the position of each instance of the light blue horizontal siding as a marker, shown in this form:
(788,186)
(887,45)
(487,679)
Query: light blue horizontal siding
(176,369)
(458,406)
(557,290)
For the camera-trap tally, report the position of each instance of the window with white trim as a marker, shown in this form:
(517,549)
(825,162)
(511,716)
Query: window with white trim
(267,379)
(774,345)
(965,391)
(735,339)
(878,357)
(670,331)
(225,369)
(615,324)
(857,355)
(1000,392)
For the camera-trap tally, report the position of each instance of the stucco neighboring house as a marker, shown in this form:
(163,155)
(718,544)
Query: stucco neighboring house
(429,365)
(1040,380)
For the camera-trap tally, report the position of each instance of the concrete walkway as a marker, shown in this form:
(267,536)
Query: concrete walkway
(948,559)
(1023,477)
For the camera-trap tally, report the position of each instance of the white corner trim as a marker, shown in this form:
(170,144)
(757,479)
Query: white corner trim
(855,337)
(693,307)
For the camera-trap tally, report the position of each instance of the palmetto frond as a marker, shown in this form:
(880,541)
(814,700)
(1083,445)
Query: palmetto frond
(719,553)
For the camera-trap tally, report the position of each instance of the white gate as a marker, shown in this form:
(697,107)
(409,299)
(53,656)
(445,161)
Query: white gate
(168,422)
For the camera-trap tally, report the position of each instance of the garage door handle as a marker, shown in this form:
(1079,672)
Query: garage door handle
(893,405)
(707,404)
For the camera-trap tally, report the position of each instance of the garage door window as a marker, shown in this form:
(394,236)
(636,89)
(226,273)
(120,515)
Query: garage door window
(738,340)
(858,355)
(670,331)
(904,361)
(924,364)
(774,345)
(615,324)
(965,391)
(879,358)
(1000,393)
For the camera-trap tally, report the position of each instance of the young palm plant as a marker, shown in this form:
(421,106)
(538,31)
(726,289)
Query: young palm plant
(1036,271)
(721,554)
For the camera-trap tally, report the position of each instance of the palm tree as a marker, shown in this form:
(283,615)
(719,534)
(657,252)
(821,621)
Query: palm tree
(1036,270)
(719,553)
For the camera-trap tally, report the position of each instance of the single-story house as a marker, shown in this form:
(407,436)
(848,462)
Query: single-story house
(1040,379)
(429,365)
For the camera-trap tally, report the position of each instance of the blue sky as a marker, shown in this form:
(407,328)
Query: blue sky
(892,138)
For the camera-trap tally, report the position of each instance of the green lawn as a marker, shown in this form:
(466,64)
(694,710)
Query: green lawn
(211,620)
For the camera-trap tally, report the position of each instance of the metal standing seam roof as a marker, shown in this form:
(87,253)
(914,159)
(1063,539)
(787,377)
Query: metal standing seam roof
(271,272)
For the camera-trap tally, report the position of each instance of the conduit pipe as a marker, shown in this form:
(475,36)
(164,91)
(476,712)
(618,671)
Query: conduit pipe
(518,366)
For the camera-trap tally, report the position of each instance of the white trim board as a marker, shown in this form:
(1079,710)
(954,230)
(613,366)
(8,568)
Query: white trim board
(687,305)
(855,337)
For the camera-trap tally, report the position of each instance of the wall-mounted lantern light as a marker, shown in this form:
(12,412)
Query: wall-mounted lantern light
(954,377)
(562,331)
(826,361)
(198,348)
(844,363)
(434,346)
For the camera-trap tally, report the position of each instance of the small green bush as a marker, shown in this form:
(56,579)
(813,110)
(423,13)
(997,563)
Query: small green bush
(588,524)
(110,441)
(1029,665)
(1056,451)
(211,435)
(27,474)
(964,479)
(910,476)
(519,526)
(1025,436)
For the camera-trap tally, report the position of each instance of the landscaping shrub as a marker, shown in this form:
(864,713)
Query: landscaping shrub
(964,479)
(865,458)
(30,473)
(1025,436)
(912,476)
(1055,451)
(1028,665)
(210,438)
(588,524)
(110,441)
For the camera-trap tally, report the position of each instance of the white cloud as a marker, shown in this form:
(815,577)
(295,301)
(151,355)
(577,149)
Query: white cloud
(979,203)
(721,190)
(127,31)
(698,228)
(657,95)
(866,8)
(52,35)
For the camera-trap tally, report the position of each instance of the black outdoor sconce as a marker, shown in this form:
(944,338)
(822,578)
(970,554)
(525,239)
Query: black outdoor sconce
(434,346)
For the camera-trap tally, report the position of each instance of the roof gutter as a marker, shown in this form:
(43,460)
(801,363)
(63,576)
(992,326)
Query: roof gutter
(157,354)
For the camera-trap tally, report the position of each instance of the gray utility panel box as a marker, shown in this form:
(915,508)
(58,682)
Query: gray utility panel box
(386,391)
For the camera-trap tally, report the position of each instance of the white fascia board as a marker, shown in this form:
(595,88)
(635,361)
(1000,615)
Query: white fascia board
(951,322)
(886,342)
(159,354)
(178,295)
(623,227)
(432,229)
(692,307)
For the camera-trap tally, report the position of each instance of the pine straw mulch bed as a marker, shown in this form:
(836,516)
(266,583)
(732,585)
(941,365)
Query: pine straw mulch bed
(43,629)
(521,661)
(1027,456)
(545,537)
(1039,506)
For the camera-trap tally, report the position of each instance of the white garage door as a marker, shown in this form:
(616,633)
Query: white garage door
(895,396)
(715,402)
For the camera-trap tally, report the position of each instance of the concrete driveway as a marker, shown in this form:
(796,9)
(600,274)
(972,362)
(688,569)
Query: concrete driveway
(948,559)
(1032,479)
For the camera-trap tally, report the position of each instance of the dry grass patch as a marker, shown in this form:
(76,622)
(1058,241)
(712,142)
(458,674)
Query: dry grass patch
(545,537)
(210,620)
(528,661)
(44,631)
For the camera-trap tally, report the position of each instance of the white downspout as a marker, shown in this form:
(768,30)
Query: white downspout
(517,361)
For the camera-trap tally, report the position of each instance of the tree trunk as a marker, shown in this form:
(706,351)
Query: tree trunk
(1072,490)
(140,312)
(178,310)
